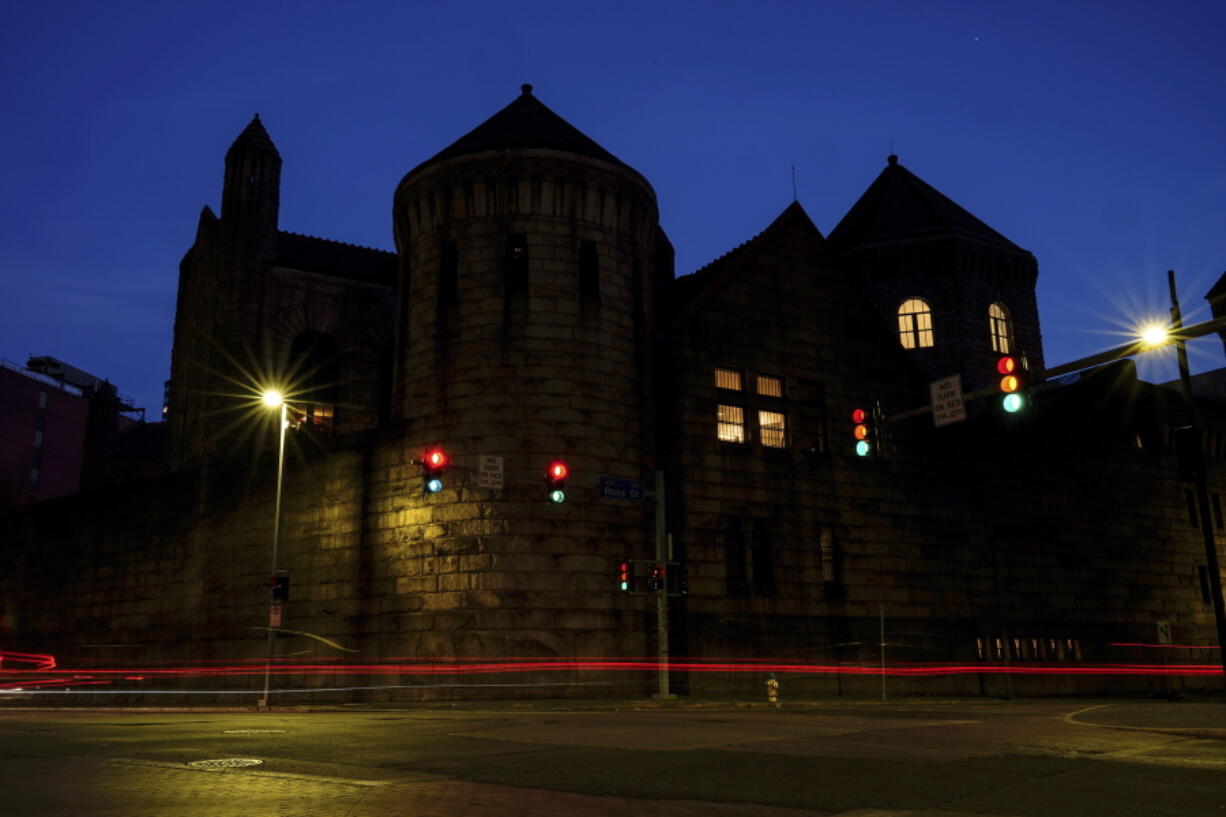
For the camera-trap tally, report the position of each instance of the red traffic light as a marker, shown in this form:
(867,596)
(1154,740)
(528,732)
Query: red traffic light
(858,416)
(557,471)
(1010,381)
(435,458)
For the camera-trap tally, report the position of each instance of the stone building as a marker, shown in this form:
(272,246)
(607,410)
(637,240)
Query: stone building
(530,314)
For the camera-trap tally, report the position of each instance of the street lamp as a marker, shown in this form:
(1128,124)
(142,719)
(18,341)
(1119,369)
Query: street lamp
(1155,335)
(274,399)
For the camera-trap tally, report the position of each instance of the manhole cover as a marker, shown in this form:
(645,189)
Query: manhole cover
(225,763)
(254,732)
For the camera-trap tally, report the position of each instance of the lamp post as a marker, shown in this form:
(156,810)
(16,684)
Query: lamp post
(274,399)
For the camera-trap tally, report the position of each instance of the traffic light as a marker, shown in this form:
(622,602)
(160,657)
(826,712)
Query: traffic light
(433,464)
(280,587)
(625,576)
(655,580)
(864,429)
(1013,383)
(555,481)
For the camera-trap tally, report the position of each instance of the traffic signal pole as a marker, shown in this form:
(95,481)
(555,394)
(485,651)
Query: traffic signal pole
(1200,476)
(1179,335)
(662,557)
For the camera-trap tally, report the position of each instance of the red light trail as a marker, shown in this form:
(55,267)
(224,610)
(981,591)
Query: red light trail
(26,672)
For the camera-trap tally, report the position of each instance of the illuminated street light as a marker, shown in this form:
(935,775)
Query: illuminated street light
(1155,335)
(274,399)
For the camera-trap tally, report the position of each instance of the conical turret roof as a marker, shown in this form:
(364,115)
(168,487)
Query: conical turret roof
(900,205)
(254,136)
(525,123)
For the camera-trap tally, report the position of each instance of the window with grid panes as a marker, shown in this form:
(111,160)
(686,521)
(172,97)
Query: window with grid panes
(770,386)
(730,426)
(772,429)
(915,324)
(729,379)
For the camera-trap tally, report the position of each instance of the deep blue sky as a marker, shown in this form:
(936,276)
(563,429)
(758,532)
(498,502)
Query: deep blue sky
(1088,133)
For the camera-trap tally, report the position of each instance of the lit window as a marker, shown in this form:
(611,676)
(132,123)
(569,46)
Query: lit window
(998,328)
(915,324)
(731,426)
(770,386)
(728,379)
(771,424)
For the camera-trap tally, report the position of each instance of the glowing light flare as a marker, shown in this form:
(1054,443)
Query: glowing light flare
(435,458)
(1154,335)
(272,398)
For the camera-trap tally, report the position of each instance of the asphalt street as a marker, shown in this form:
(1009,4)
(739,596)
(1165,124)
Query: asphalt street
(989,758)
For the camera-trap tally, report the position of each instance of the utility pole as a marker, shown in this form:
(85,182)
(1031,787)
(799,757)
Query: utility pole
(1200,474)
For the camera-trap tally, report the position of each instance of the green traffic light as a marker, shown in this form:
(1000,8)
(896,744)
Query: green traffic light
(1013,403)
(863,448)
(557,496)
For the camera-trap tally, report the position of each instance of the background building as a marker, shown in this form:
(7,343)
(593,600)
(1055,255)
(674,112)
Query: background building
(54,419)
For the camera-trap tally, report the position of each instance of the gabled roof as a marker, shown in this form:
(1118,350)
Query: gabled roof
(525,123)
(336,258)
(689,292)
(900,205)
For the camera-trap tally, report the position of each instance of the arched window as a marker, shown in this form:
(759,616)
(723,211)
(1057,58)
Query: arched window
(315,375)
(915,324)
(999,329)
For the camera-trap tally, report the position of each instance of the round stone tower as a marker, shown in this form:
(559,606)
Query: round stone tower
(524,333)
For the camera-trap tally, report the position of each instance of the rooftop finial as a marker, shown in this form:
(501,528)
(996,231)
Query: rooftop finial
(892,159)
(526,88)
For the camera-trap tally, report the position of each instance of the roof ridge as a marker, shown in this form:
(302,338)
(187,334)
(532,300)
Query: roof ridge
(795,205)
(335,241)
(932,197)
(876,216)
(719,259)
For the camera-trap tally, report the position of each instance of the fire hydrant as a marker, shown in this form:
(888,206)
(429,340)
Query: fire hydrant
(772,689)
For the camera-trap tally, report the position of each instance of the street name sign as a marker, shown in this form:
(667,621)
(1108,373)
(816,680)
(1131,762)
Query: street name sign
(947,403)
(617,488)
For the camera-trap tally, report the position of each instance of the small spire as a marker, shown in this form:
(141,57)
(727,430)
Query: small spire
(892,159)
(526,88)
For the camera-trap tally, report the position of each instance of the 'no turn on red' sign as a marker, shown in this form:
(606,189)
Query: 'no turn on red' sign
(946,398)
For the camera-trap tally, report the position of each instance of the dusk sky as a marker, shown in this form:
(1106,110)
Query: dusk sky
(1090,134)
